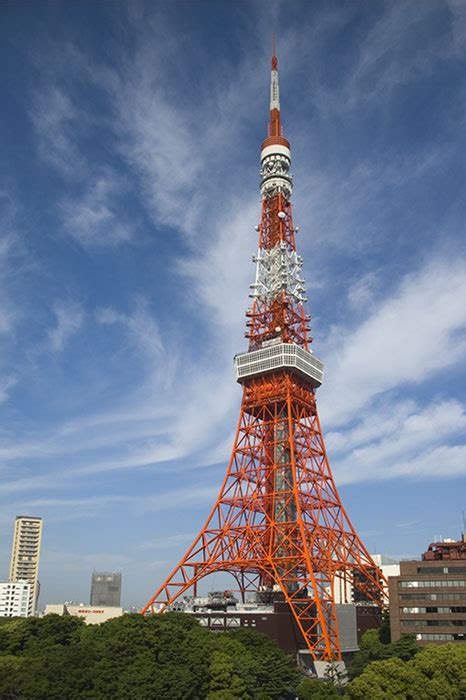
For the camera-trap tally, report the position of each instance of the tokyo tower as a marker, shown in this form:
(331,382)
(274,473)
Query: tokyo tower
(278,525)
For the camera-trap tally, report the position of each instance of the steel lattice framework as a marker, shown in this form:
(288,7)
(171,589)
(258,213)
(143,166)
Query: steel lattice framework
(278,523)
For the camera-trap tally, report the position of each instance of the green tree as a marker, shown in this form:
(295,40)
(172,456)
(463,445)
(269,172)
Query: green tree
(29,634)
(159,657)
(10,672)
(404,648)
(311,689)
(267,671)
(434,672)
(371,648)
(225,683)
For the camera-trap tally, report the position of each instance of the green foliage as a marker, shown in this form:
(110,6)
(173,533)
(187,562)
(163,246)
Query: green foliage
(371,648)
(171,657)
(26,634)
(404,648)
(225,682)
(310,689)
(267,671)
(435,672)
(166,657)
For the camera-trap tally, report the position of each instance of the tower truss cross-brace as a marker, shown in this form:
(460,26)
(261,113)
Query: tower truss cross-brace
(278,525)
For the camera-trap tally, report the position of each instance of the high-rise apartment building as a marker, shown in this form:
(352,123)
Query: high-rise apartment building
(25,554)
(428,598)
(15,598)
(106,589)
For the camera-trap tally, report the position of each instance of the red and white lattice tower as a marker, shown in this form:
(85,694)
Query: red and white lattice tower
(278,524)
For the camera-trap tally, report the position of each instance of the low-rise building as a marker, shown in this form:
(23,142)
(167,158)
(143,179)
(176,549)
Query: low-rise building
(428,598)
(92,615)
(15,598)
(221,611)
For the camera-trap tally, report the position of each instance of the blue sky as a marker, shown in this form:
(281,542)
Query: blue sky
(128,197)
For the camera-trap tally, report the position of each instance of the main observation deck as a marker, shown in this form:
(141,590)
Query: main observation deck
(279,356)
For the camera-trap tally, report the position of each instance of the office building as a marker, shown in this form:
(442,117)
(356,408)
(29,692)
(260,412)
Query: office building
(106,589)
(15,598)
(428,598)
(25,554)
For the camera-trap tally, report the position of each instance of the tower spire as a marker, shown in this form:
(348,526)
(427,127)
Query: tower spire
(274,123)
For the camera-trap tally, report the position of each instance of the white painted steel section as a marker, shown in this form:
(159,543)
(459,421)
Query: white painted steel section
(274,150)
(274,91)
(282,355)
(278,270)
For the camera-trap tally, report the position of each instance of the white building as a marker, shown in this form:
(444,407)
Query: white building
(25,553)
(91,614)
(15,598)
(344,593)
(389,567)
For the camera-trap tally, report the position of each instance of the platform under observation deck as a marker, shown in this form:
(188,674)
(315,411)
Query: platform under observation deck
(279,356)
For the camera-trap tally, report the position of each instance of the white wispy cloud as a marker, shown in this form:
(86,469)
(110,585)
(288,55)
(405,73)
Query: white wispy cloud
(6,383)
(12,262)
(69,318)
(141,325)
(95,218)
(410,336)
(56,119)
(161,501)
(398,440)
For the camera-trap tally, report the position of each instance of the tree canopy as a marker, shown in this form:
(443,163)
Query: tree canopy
(171,657)
(435,672)
(161,657)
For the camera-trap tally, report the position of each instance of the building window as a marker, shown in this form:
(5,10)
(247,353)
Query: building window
(233,622)
(433,623)
(441,583)
(432,596)
(441,637)
(216,622)
(441,610)
(441,570)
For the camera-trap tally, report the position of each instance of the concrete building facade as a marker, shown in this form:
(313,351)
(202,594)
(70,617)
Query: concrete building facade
(25,555)
(428,598)
(15,598)
(90,614)
(106,589)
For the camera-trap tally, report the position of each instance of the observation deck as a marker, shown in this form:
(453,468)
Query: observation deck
(279,356)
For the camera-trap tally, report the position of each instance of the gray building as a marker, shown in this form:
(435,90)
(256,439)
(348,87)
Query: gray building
(106,589)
